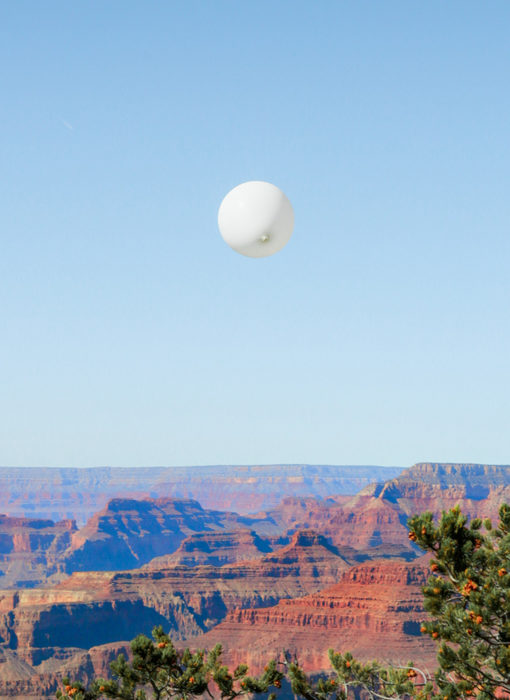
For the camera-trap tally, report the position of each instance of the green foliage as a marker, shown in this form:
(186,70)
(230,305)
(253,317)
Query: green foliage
(158,670)
(350,675)
(468,599)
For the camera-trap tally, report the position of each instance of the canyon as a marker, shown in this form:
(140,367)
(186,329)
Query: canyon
(49,632)
(65,493)
(128,533)
(305,574)
(370,602)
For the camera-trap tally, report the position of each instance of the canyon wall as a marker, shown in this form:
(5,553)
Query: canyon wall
(59,493)
(374,611)
(30,549)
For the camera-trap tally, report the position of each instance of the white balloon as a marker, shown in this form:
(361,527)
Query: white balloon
(256,219)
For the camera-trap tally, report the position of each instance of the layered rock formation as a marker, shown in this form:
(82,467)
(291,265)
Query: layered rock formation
(59,493)
(129,532)
(42,629)
(360,527)
(374,611)
(478,489)
(218,548)
(30,549)
(202,567)
(374,522)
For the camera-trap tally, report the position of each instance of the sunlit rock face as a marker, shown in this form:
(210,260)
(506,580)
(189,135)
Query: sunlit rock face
(374,611)
(49,630)
(95,608)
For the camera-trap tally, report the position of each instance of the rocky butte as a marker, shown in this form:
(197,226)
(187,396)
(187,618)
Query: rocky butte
(219,548)
(129,532)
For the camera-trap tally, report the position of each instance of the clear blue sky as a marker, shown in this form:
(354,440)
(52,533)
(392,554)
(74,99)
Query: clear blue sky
(130,334)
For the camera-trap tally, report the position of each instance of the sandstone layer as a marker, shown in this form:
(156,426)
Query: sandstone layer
(219,548)
(374,611)
(30,549)
(42,629)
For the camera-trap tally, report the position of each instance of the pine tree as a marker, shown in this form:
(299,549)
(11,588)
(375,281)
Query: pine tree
(350,676)
(468,599)
(158,670)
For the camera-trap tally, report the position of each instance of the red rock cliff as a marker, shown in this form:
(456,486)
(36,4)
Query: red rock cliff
(374,611)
